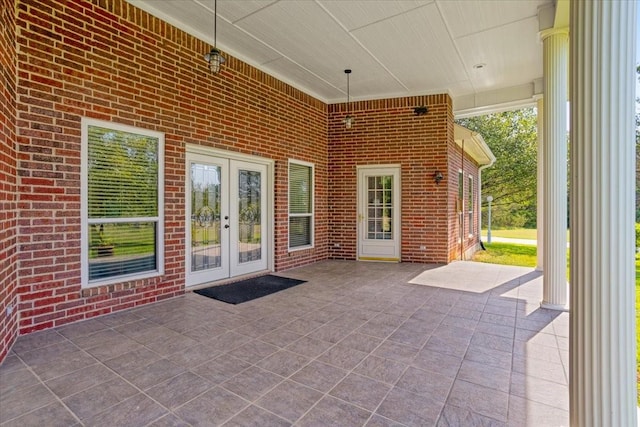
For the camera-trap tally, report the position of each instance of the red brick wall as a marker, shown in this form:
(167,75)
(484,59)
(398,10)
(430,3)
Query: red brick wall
(108,60)
(8,274)
(388,132)
(469,167)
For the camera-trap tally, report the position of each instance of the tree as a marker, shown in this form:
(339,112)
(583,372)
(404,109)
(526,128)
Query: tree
(512,137)
(123,174)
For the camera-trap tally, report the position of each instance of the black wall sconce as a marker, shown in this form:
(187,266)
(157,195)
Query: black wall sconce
(420,111)
(437,177)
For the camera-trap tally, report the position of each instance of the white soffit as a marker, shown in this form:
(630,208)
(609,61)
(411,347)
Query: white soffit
(284,66)
(394,47)
(324,56)
(355,14)
(470,17)
(421,54)
(507,51)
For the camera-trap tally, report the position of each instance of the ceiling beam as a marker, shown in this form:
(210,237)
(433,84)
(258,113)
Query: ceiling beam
(495,101)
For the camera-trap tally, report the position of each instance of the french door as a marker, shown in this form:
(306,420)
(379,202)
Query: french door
(226,218)
(379,213)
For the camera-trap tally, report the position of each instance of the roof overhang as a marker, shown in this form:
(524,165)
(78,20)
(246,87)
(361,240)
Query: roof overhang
(473,145)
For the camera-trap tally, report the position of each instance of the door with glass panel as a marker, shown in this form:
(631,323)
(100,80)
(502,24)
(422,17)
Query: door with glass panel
(248,218)
(226,218)
(379,213)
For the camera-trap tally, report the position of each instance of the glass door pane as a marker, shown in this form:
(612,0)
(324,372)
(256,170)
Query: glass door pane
(379,212)
(249,216)
(206,182)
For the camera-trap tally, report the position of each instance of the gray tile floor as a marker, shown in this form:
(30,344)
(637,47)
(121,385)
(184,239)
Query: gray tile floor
(359,344)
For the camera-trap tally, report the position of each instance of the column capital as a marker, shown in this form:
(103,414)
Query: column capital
(564,31)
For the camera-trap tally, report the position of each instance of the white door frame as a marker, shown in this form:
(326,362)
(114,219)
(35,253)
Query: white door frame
(198,152)
(378,250)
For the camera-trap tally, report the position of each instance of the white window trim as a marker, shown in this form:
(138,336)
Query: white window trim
(84,204)
(312,215)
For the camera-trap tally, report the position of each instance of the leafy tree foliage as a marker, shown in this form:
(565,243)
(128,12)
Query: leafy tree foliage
(512,136)
(123,174)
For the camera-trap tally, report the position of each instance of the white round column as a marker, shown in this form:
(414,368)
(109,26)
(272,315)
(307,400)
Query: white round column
(602,378)
(555,47)
(540,188)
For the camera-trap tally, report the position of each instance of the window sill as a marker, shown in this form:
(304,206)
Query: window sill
(301,248)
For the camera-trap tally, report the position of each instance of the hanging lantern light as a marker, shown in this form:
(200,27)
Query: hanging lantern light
(348,121)
(214,58)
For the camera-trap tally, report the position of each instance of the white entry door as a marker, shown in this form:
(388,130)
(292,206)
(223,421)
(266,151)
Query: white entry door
(227,227)
(379,213)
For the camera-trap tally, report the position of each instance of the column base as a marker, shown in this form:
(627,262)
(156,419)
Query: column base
(556,307)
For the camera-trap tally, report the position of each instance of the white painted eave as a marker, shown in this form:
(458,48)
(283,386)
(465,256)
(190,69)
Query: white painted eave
(474,145)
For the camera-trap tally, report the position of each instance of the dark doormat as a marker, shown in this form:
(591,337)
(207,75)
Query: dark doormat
(246,290)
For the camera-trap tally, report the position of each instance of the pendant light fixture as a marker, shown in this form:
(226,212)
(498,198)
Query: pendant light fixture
(214,58)
(348,121)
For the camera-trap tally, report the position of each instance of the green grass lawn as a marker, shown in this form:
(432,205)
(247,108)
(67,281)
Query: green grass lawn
(124,238)
(515,233)
(525,255)
(638,322)
(507,254)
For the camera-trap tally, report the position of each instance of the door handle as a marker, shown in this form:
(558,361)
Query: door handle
(226,226)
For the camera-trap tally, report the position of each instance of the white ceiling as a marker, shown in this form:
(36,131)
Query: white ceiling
(394,47)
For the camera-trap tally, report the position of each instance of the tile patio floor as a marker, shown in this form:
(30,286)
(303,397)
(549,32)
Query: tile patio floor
(358,344)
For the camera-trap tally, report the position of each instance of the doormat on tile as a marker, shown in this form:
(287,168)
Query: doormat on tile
(249,289)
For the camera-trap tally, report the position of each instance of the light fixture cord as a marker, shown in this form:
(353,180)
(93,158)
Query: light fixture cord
(348,94)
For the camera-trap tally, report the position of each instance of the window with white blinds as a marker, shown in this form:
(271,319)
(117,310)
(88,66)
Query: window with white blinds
(300,205)
(470,205)
(122,203)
